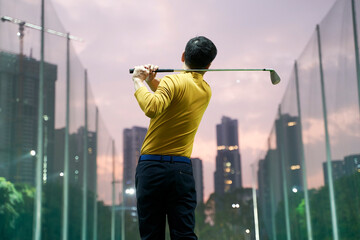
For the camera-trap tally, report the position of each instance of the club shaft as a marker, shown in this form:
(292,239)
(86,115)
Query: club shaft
(211,70)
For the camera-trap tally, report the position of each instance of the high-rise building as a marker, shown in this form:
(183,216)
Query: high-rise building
(337,168)
(92,161)
(132,143)
(352,164)
(198,177)
(19,84)
(270,191)
(288,139)
(264,196)
(340,168)
(282,164)
(227,175)
(91,158)
(76,157)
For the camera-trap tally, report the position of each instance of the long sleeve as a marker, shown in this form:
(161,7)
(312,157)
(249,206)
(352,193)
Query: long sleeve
(176,109)
(155,103)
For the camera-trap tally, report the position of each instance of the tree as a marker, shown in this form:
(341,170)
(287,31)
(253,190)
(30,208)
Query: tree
(11,201)
(225,222)
(24,224)
(347,198)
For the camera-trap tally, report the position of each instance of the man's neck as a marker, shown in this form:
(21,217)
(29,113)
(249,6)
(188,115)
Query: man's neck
(185,67)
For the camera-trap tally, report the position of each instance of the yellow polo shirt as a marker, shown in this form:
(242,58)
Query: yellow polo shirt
(175,110)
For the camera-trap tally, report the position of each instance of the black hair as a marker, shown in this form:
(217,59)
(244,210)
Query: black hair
(199,52)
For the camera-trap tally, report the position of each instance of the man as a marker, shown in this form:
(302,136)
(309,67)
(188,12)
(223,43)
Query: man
(164,180)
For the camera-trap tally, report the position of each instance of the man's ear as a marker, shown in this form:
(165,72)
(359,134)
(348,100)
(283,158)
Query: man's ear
(183,57)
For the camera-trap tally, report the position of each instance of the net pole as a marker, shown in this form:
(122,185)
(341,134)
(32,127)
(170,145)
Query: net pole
(328,146)
(113,193)
(66,147)
(284,174)
(255,206)
(302,158)
(85,164)
(356,45)
(40,135)
(95,176)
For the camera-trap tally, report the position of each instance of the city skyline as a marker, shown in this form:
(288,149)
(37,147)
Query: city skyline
(254,134)
(251,37)
(341,168)
(18,120)
(299,139)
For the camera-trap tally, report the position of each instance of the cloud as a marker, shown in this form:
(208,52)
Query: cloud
(313,131)
(342,126)
(344,135)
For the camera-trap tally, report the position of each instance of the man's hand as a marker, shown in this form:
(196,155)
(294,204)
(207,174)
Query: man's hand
(145,73)
(152,74)
(139,76)
(151,80)
(140,73)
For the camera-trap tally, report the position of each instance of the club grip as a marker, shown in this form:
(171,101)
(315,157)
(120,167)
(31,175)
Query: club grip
(131,70)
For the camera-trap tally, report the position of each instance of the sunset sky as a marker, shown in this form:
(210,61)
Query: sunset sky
(248,34)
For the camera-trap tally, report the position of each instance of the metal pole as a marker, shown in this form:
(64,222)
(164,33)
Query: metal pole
(302,158)
(85,160)
(284,175)
(123,213)
(66,147)
(256,218)
(95,176)
(356,45)
(113,193)
(273,205)
(327,143)
(268,160)
(40,133)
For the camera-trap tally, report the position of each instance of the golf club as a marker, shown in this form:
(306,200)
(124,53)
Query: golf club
(274,77)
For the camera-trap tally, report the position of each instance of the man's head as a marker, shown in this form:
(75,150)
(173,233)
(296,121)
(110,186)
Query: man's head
(199,53)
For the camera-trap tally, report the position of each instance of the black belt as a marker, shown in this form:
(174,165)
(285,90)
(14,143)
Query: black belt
(165,158)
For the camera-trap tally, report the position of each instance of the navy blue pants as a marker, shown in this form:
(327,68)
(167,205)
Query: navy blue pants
(165,189)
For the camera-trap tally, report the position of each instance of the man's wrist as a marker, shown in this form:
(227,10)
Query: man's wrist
(136,79)
(138,83)
(147,80)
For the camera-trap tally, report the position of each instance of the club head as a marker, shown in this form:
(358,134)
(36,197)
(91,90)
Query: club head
(275,79)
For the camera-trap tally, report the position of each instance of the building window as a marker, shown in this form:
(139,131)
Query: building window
(228,182)
(295,167)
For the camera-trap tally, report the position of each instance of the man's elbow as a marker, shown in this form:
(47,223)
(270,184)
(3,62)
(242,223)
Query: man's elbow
(150,113)
(152,109)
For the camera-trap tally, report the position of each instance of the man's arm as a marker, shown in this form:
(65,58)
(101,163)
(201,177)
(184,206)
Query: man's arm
(153,84)
(139,76)
(146,73)
(151,80)
(155,103)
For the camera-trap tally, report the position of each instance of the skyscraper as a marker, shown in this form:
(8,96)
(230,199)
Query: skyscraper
(288,138)
(228,162)
(76,157)
(270,190)
(352,164)
(337,168)
(19,84)
(133,140)
(198,177)
(341,168)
